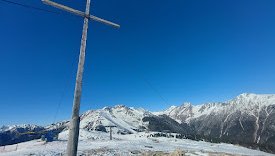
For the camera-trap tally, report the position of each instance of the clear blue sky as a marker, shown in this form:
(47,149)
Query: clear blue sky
(183,50)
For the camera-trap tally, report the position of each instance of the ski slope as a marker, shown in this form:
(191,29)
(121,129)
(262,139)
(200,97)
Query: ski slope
(97,143)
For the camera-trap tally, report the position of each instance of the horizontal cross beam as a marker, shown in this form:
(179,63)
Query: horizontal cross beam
(79,13)
(110,126)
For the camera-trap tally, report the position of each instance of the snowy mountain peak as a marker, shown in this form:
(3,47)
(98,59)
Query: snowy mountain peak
(126,119)
(120,106)
(116,107)
(246,95)
(250,101)
(252,96)
(187,104)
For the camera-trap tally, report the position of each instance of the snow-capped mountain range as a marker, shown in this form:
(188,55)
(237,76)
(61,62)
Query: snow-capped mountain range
(248,120)
(250,104)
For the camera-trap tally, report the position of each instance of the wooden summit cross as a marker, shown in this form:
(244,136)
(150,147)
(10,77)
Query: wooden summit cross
(74,123)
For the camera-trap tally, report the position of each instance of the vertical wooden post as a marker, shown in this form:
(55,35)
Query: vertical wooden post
(74,124)
(111,133)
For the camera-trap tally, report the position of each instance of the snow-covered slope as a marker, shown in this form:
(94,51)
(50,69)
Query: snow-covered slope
(97,144)
(126,120)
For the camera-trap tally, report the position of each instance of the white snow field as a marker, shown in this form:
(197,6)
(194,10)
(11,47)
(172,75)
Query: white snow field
(98,143)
